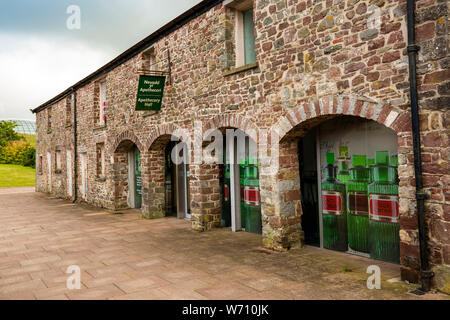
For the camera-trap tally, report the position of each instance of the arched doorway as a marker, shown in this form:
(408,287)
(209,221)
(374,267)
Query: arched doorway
(349,185)
(127,176)
(239,182)
(168,179)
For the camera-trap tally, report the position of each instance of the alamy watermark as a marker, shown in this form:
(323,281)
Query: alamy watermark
(73,282)
(215,147)
(73,22)
(374,280)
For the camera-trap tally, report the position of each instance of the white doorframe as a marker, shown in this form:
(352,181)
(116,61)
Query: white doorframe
(187,215)
(49,172)
(235,188)
(83,160)
(131,162)
(69,172)
(181,184)
(319,186)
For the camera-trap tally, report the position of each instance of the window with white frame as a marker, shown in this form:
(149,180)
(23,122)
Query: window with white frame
(69,103)
(102,103)
(40,165)
(244,31)
(148,62)
(58,161)
(152,61)
(49,119)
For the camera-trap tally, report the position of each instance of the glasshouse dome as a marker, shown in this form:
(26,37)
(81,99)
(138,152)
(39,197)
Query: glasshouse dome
(24,126)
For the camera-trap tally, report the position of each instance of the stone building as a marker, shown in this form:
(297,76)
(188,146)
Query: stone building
(292,67)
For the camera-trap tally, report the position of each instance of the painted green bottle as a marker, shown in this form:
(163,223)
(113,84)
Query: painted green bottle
(370,162)
(393,169)
(333,209)
(357,205)
(384,226)
(138,179)
(252,198)
(343,175)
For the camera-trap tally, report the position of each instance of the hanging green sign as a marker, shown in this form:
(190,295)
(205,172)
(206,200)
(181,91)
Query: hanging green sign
(150,92)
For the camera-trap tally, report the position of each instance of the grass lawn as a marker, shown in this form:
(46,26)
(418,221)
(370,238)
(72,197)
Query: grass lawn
(16,176)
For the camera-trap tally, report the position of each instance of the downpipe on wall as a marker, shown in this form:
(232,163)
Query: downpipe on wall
(425,273)
(75,142)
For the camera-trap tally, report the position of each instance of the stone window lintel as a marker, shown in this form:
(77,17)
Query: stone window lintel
(238,4)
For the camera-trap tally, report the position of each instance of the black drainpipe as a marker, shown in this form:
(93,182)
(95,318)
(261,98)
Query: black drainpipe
(425,273)
(75,149)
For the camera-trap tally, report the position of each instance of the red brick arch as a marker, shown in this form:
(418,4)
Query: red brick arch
(394,118)
(127,135)
(293,126)
(230,120)
(159,131)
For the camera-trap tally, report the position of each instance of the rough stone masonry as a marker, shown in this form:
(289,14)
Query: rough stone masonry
(316,60)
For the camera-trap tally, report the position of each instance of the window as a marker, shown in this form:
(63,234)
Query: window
(249,36)
(152,59)
(58,162)
(100,160)
(102,103)
(69,102)
(49,119)
(148,61)
(244,32)
(40,165)
(99,106)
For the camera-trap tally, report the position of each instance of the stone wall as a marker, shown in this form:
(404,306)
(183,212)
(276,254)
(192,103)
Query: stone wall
(433,68)
(316,60)
(59,136)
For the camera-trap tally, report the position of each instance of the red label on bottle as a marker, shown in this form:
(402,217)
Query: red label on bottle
(384,207)
(226,192)
(332,202)
(251,196)
(358,202)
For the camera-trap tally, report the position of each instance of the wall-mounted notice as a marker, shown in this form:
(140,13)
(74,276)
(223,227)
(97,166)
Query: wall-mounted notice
(150,92)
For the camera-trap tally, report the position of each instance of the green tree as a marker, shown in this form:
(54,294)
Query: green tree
(7,132)
(29,157)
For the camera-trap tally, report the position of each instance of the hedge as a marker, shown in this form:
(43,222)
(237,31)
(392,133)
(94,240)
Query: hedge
(18,152)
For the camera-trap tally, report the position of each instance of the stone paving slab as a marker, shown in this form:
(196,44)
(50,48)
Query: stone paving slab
(122,256)
(16,190)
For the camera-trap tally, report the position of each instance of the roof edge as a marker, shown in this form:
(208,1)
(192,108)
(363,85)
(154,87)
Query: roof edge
(165,30)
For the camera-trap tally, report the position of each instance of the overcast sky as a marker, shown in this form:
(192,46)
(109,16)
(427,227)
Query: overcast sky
(40,57)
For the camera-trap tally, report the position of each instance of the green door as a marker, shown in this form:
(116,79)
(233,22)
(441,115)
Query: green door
(137,179)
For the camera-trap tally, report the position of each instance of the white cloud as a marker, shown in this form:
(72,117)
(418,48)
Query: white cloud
(40,57)
(34,70)
(2,108)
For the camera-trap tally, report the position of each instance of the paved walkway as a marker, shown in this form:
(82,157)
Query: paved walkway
(123,256)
